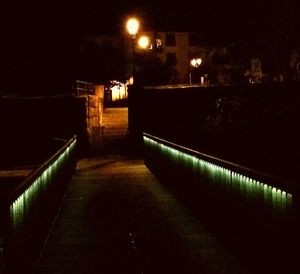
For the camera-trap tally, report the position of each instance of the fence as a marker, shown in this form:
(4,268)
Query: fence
(30,210)
(84,88)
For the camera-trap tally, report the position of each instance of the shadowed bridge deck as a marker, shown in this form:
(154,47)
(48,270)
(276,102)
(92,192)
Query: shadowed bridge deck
(118,218)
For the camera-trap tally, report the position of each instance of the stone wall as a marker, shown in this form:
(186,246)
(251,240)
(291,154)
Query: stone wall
(94,111)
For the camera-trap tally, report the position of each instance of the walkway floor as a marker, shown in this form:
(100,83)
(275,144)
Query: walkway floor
(117,218)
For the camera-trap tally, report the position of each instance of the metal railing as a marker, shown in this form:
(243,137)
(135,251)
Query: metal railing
(31,208)
(250,184)
(84,88)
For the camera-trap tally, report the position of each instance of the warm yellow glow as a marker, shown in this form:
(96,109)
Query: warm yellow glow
(132,26)
(196,62)
(144,42)
(119,92)
(130,81)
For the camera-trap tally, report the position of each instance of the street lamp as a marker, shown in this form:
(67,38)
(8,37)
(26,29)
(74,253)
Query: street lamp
(195,63)
(132,26)
(144,42)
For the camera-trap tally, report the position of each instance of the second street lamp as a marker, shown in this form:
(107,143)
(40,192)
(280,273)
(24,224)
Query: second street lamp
(195,63)
(144,42)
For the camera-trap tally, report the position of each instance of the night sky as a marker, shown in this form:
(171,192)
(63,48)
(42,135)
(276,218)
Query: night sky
(36,35)
(228,20)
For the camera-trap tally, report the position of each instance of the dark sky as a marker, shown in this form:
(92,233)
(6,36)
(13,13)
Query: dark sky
(227,20)
(38,33)
(40,40)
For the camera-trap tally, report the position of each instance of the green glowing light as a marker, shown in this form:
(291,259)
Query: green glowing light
(224,178)
(22,205)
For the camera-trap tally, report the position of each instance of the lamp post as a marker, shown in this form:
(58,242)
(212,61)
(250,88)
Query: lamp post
(195,63)
(132,27)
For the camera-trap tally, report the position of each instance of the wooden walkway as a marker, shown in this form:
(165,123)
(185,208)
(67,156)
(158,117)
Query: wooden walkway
(117,218)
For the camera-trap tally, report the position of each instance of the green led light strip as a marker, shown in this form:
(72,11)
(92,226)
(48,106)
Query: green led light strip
(251,189)
(22,204)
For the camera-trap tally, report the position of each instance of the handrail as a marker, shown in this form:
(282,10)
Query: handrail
(36,173)
(36,198)
(273,181)
(85,87)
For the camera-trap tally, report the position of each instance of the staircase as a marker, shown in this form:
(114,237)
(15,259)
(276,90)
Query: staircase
(114,130)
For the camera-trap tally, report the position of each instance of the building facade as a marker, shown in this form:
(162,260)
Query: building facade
(173,48)
(177,49)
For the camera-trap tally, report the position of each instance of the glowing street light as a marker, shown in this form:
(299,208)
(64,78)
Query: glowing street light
(195,63)
(144,42)
(132,26)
